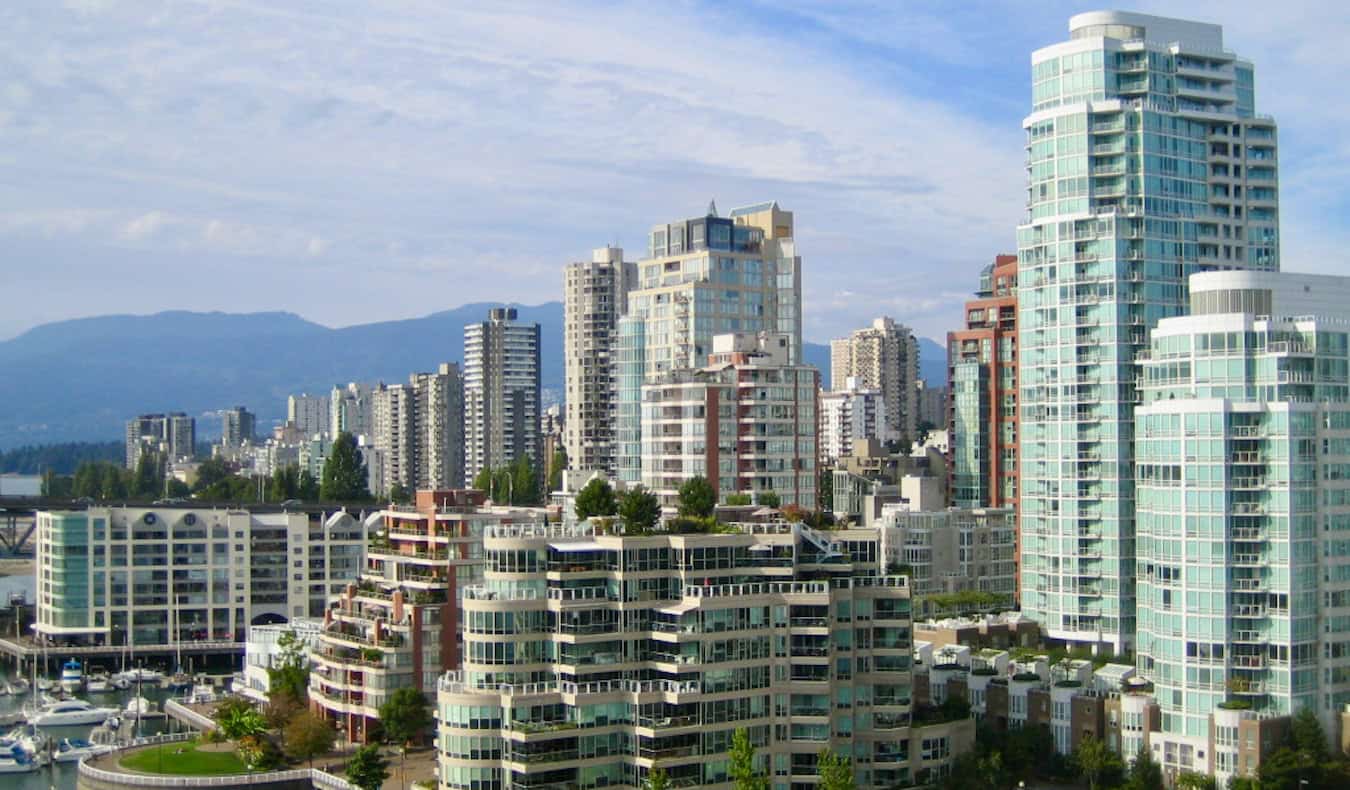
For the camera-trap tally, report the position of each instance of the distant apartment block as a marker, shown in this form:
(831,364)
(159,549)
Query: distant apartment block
(352,409)
(238,425)
(308,413)
(438,429)
(884,356)
(953,551)
(160,576)
(595,298)
(849,413)
(501,392)
(747,422)
(982,379)
(394,436)
(704,276)
(173,436)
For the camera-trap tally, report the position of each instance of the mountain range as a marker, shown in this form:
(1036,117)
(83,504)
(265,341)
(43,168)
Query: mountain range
(82,379)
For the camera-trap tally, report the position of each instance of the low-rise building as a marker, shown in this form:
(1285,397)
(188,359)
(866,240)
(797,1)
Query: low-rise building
(262,653)
(160,576)
(592,659)
(959,559)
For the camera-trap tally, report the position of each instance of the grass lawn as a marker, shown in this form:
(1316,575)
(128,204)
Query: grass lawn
(166,759)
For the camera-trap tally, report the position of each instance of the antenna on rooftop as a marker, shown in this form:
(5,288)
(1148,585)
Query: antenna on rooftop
(712,208)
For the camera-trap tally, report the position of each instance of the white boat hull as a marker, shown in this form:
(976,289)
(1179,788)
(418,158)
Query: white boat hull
(13,767)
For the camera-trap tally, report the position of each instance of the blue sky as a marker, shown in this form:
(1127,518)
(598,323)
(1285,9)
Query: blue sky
(356,162)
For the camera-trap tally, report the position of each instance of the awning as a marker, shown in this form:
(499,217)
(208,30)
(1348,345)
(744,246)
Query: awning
(588,545)
(679,608)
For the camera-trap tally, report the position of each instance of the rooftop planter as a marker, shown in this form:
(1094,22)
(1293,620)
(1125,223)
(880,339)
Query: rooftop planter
(1026,677)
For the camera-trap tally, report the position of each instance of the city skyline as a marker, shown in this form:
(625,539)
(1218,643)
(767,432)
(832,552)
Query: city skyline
(900,139)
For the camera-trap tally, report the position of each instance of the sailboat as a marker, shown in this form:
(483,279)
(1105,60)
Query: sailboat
(180,679)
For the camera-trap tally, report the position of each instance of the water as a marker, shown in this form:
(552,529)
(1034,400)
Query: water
(62,776)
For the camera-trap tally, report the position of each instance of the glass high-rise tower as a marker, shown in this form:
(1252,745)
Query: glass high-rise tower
(1145,163)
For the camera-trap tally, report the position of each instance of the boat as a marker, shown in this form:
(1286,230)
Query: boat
(179,681)
(138,707)
(120,683)
(71,711)
(71,750)
(72,676)
(98,683)
(18,686)
(29,737)
(14,760)
(45,684)
(141,675)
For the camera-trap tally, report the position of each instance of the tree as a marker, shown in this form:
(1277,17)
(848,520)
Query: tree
(524,482)
(368,769)
(697,498)
(344,473)
(285,484)
(400,495)
(149,477)
(282,706)
(57,486)
(739,500)
(113,484)
(656,780)
(405,715)
(825,490)
(836,771)
(1307,735)
(210,472)
(1095,761)
(308,487)
(768,499)
(238,721)
(307,736)
(177,488)
(556,466)
(1144,774)
(639,509)
(290,674)
(742,756)
(1190,780)
(483,481)
(596,498)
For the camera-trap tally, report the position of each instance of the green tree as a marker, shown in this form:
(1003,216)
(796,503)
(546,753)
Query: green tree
(344,473)
(836,771)
(1307,735)
(1096,763)
(237,721)
(113,484)
(596,498)
(400,495)
(308,487)
(697,498)
(177,488)
(405,716)
(768,499)
(1144,773)
(742,757)
(285,484)
(210,472)
(825,490)
(739,500)
(483,481)
(1190,780)
(556,465)
(367,769)
(307,736)
(290,673)
(656,780)
(148,480)
(978,770)
(639,509)
(525,482)
(57,486)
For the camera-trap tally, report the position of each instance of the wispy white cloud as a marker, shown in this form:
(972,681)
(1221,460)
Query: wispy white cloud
(431,153)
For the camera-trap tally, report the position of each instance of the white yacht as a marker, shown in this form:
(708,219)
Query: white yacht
(71,750)
(143,675)
(72,676)
(14,760)
(18,686)
(70,711)
(98,683)
(138,707)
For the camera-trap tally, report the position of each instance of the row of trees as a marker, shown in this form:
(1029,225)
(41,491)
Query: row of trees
(514,484)
(108,480)
(59,459)
(835,771)
(639,510)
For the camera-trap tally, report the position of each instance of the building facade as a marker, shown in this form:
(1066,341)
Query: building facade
(161,576)
(747,422)
(398,625)
(501,392)
(309,414)
(884,356)
(238,425)
(438,429)
(704,276)
(958,550)
(595,297)
(592,659)
(1242,452)
(850,413)
(395,437)
(1146,162)
(172,436)
(982,377)
(351,409)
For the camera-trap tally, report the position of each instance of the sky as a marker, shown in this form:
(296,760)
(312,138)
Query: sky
(356,162)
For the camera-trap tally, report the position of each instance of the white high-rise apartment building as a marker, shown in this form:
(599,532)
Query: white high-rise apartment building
(848,413)
(704,276)
(438,428)
(173,436)
(1145,162)
(595,297)
(501,392)
(884,356)
(351,409)
(395,438)
(308,413)
(1242,448)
